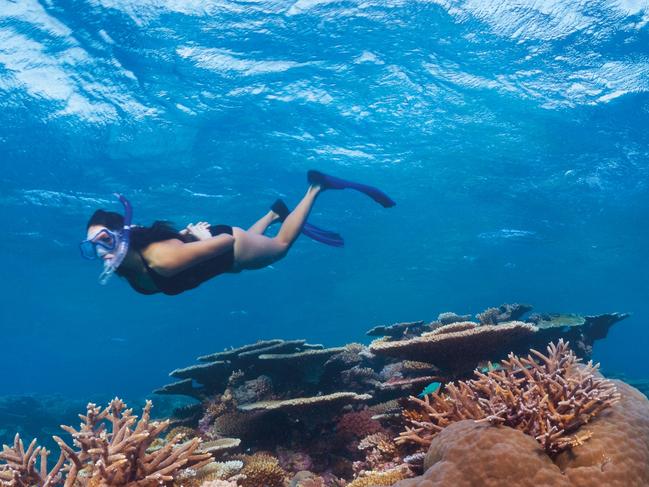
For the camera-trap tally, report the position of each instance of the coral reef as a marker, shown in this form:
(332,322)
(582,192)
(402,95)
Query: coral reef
(548,398)
(457,347)
(115,448)
(330,415)
(314,416)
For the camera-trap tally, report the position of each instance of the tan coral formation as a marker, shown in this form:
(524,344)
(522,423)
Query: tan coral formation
(464,344)
(212,472)
(469,453)
(379,479)
(547,397)
(296,404)
(20,470)
(261,469)
(114,449)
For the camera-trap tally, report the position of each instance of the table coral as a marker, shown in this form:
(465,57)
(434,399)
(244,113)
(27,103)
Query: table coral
(458,349)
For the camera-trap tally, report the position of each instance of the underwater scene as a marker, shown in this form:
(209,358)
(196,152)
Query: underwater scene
(324,243)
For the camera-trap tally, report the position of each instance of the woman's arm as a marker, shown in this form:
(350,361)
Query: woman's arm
(170,257)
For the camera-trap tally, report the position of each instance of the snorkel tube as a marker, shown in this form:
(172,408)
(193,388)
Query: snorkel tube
(111,265)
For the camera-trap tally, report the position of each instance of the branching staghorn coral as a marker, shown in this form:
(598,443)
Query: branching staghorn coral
(118,455)
(114,450)
(547,397)
(19,469)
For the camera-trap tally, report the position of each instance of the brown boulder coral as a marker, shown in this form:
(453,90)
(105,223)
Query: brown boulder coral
(618,451)
(469,453)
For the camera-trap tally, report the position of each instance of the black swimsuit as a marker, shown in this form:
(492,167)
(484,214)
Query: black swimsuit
(192,277)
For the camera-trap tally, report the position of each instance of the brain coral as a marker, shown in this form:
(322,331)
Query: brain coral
(467,453)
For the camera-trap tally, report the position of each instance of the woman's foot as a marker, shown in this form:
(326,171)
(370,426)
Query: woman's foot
(325,181)
(279,210)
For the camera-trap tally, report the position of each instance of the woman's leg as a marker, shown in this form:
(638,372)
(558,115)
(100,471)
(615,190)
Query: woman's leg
(263,223)
(292,225)
(254,251)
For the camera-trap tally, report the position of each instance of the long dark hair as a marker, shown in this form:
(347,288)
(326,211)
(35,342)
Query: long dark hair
(141,237)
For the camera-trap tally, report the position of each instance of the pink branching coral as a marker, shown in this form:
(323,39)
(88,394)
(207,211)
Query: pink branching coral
(547,397)
(118,455)
(20,468)
(114,448)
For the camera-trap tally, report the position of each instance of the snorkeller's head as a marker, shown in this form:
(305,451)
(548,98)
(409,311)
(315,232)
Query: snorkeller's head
(107,238)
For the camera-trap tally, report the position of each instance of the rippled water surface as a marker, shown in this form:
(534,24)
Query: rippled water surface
(513,136)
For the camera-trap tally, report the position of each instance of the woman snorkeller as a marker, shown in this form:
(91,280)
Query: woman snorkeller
(160,259)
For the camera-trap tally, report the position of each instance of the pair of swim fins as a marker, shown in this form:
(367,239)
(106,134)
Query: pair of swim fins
(328,237)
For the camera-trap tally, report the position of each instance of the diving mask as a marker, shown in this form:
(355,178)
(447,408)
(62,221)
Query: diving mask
(106,242)
(100,244)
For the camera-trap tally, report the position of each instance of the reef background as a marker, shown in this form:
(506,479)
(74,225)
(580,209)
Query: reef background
(513,139)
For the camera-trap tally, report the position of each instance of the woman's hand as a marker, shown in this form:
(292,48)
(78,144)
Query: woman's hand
(201,230)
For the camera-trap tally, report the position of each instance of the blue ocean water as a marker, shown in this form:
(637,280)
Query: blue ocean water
(513,136)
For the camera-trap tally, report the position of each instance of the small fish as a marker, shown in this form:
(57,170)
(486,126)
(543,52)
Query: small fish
(430,389)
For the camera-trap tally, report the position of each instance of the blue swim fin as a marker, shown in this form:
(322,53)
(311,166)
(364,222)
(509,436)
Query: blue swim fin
(332,182)
(318,234)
